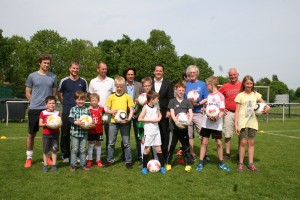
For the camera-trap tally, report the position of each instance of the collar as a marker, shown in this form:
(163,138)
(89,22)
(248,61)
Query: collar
(160,81)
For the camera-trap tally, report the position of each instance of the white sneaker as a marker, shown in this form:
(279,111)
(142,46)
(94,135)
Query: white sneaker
(66,160)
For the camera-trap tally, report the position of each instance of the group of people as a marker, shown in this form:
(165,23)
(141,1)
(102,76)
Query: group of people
(155,125)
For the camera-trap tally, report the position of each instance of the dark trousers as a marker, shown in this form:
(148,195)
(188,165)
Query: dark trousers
(65,136)
(165,135)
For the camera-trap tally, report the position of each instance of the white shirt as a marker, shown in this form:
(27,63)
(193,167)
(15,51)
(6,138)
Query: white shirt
(151,128)
(157,84)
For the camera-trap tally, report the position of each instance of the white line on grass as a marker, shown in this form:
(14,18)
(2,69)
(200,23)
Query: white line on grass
(282,135)
(16,138)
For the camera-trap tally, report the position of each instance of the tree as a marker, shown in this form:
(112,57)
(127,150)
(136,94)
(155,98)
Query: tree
(274,77)
(263,82)
(297,93)
(277,87)
(159,39)
(222,80)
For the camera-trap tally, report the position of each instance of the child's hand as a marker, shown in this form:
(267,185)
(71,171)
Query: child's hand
(179,125)
(79,123)
(91,126)
(237,131)
(114,112)
(267,108)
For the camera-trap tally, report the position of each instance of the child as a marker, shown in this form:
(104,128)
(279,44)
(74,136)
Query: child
(246,124)
(119,101)
(96,133)
(78,134)
(213,125)
(50,136)
(151,115)
(180,132)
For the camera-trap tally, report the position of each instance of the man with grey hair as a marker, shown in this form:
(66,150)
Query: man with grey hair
(230,90)
(199,86)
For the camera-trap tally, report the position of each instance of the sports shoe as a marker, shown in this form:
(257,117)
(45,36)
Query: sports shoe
(223,166)
(144,171)
(28,163)
(240,167)
(89,163)
(49,161)
(54,168)
(253,168)
(108,164)
(66,160)
(188,168)
(73,169)
(84,168)
(163,170)
(45,168)
(99,163)
(168,167)
(199,167)
(207,159)
(129,165)
(179,152)
(227,157)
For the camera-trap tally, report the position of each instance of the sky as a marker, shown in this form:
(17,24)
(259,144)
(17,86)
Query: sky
(258,37)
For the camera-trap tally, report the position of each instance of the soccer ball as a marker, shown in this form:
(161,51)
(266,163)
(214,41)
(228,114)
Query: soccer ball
(193,95)
(120,116)
(142,99)
(104,118)
(259,107)
(153,165)
(87,121)
(182,118)
(212,110)
(53,122)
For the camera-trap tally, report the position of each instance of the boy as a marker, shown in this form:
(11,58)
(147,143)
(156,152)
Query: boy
(119,101)
(50,136)
(78,134)
(180,132)
(151,115)
(96,133)
(213,125)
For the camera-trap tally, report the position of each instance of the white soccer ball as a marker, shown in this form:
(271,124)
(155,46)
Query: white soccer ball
(142,99)
(120,116)
(153,165)
(212,111)
(259,107)
(182,118)
(193,95)
(54,122)
(104,118)
(87,121)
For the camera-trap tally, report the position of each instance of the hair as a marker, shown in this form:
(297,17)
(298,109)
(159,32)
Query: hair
(212,80)
(74,62)
(146,79)
(159,65)
(233,68)
(184,75)
(94,95)
(246,78)
(152,95)
(100,62)
(119,80)
(180,84)
(128,69)
(50,98)
(79,94)
(45,57)
(192,67)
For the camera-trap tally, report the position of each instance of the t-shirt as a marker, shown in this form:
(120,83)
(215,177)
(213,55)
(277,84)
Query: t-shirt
(200,87)
(44,115)
(216,99)
(179,107)
(96,114)
(230,91)
(247,117)
(151,128)
(41,87)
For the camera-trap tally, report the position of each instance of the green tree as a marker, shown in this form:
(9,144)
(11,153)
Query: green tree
(223,80)
(159,39)
(277,87)
(297,93)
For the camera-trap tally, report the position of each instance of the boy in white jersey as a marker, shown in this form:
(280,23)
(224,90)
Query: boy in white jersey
(213,125)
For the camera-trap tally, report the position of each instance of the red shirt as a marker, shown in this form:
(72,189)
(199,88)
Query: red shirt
(44,115)
(230,91)
(97,118)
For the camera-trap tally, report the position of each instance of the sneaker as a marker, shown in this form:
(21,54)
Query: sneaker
(73,169)
(227,157)
(108,164)
(66,160)
(168,167)
(84,168)
(28,163)
(163,170)
(49,161)
(129,165)
(89,163)
(188,168)
(223,166)
(99,163)
(200,167)
(207,159)
(240,167)
(179,152)
(45,168)
(144,171)
(54,168)
(253,168)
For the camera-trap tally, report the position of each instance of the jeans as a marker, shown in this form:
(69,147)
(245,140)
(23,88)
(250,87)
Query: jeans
(78,145)
(113,132)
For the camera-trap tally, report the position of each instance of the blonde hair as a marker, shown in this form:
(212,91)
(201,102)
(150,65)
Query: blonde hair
(212,80)
(146,79)
(94,95)
(120,80)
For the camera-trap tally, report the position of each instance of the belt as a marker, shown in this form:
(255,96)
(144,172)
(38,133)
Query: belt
(233,111)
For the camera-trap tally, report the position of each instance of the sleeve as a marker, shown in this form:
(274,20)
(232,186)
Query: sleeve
(60,86)
(258,96)
(108,102)
(238,99)
(129,101)
(170,105)
(55,82)
(28,82)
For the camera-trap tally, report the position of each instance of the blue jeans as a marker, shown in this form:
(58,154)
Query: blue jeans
(113,132)
(78,145)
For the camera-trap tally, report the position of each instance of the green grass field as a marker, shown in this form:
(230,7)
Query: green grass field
(276,154)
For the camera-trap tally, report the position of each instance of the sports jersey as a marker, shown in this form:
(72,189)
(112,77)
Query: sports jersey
(230,91)
(96,114)
(151,128)
(179,107)
(44,115)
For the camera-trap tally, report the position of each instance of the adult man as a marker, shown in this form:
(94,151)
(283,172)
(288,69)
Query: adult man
(133,88)
(230,90)
(199,86)
(166,93)
(39,85)
(66,90)
(103,86)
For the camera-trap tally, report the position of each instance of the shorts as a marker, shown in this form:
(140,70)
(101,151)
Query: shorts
(215,134)
(152,140)
(228,128)
(50,143)
(247,133)
(33,120)
(95,137)
(197,121)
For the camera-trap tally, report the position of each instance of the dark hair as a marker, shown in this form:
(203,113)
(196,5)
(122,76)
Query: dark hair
(50,98)
(183,75)
(128,69)
(246,78)
(79,94)
(180,84)
(152,95)
(45,57)
(159,65)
